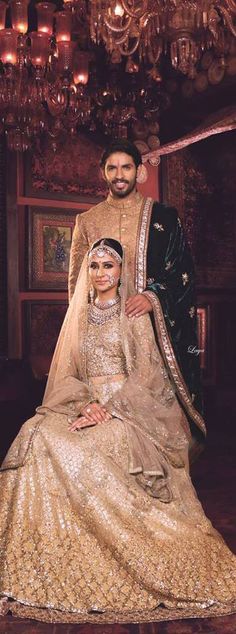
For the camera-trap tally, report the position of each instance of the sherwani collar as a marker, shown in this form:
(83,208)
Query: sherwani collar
(134,200)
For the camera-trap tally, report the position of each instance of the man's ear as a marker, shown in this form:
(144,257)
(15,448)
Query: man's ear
(102,172)
(141,175)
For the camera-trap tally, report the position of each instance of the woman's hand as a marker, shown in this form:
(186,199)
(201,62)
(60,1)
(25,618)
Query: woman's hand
(96,413)
(92,414)
(80,423)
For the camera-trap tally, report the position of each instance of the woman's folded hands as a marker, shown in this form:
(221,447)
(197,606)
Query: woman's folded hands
(91,414)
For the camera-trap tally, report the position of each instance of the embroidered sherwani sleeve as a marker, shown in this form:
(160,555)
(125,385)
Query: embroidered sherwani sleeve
(79,247)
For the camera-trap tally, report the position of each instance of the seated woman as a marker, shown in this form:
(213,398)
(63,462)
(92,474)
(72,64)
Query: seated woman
(99,520)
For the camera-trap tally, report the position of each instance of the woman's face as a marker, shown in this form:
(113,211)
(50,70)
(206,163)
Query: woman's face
(104,272)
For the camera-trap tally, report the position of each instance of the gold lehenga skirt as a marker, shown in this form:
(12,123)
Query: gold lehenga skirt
(81,541)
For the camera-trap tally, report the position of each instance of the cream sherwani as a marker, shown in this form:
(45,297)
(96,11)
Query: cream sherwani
(112,218)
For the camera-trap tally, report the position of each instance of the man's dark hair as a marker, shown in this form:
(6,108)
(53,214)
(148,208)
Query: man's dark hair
(122,145)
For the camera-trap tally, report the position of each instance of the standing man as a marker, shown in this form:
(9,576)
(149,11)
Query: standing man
(161,264)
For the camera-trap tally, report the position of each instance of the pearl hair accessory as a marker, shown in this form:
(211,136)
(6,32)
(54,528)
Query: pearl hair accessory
(102,249)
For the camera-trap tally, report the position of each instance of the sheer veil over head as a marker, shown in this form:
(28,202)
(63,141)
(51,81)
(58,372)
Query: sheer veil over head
(157,430)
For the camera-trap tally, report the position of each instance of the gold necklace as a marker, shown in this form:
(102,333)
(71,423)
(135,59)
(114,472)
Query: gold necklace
(107,304)
(100,316)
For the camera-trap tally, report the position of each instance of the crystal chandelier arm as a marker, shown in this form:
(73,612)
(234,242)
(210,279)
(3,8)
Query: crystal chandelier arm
(232,5)
(123,39)
(153,59)
(117,29)
(120,40)
(228,20)
(135,14)
(131,50)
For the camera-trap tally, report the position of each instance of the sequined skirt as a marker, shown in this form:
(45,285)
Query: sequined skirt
(81,541)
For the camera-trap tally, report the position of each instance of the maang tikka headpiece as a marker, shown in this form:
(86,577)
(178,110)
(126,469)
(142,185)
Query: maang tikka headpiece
(102,249)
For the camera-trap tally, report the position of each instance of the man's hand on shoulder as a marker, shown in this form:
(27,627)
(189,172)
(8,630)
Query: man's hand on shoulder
(137,305)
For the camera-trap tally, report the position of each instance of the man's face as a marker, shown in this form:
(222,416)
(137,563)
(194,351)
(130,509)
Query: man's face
(120,173)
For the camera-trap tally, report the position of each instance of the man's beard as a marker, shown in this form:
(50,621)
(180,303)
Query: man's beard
(122,193)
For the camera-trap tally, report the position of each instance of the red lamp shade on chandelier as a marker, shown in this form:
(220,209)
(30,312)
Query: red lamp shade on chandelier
(81,68)
(63,26)
(45,13)
(8,46)
(19,15)
(39,49)
(3,8)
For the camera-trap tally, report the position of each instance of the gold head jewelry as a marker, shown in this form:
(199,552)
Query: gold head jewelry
(102,249)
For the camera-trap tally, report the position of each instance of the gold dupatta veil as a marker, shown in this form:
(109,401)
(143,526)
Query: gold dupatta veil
(157,430)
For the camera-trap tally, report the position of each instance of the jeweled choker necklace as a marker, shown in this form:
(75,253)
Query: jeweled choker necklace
(108,304)
(99,316)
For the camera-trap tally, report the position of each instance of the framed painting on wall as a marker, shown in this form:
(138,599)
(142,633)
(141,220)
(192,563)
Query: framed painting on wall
(50,235)
(71,173)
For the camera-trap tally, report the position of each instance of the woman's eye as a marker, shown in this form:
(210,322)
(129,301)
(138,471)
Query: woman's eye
(93,265)
(108,266)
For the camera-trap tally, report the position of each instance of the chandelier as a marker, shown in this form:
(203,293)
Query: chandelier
(148,28)
(50,85)
(95,63)
(42,73)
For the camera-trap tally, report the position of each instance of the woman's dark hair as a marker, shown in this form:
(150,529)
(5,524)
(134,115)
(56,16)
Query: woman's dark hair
(122,145)
(109,242)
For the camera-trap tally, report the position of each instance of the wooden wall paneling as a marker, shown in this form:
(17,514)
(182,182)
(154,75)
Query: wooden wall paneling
(226,320)
(42,323)
(221,348)
(19,175)
(172,181)
(22,293)
(14,321)
(3,251)
(209,369)
(21,212)
(60,204)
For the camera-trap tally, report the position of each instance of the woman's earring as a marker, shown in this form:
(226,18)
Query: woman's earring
(119,288)
(91,294)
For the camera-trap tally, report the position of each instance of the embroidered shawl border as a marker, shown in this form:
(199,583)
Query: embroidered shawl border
(169,357)
(141,245)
